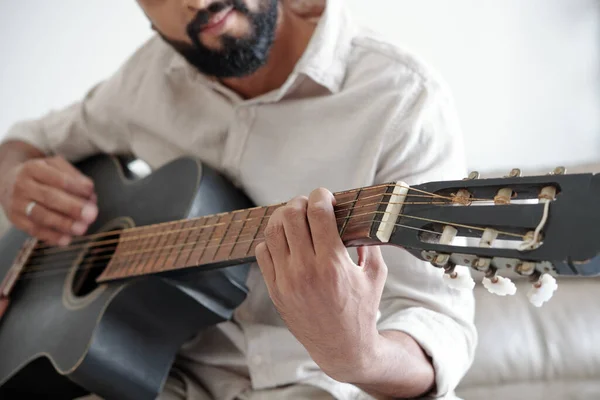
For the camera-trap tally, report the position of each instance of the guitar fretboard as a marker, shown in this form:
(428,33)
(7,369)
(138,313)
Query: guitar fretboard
(231,238)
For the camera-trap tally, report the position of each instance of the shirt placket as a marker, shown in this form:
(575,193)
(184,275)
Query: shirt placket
(241,125)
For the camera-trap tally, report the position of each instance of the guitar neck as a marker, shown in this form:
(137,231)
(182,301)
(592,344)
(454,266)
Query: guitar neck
(226,239)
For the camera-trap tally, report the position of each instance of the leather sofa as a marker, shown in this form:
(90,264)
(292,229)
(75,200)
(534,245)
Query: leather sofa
(524,352)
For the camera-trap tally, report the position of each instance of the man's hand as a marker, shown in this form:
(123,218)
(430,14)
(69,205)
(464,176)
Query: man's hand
(65,202)
(327,301)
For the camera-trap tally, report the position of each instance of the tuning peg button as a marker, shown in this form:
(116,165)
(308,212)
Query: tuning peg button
(543,290)
(460,280)
(500,286)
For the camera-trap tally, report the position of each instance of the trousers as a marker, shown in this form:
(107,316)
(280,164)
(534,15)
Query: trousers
(179,388)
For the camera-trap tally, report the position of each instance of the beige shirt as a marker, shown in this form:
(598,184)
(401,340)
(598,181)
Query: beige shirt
(356,111)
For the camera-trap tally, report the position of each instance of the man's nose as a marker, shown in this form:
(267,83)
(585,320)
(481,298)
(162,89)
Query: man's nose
(195,5)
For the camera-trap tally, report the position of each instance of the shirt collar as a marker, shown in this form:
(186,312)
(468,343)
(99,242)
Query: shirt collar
(326,55)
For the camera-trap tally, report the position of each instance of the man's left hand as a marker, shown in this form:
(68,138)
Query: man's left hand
(327,301)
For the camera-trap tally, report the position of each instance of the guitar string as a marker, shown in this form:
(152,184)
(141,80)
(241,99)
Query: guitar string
(87,238)
(128,238)
(74,246)
(68,266)
(202,228)
(362,206)
(152,253)
(195,242)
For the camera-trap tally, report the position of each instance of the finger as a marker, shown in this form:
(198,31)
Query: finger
(323,224)
(46,218)
(265,263)
(52,172)
(47,235)
(297,231)
(65,166)
(62,202)
(275,239)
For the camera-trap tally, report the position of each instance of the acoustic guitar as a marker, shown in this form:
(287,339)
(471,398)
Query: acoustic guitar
(170,252)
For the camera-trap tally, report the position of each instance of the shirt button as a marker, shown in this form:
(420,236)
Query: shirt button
(257,360)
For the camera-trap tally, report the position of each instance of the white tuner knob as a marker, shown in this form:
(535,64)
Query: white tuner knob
(500,286)
(543,290)
(460,280)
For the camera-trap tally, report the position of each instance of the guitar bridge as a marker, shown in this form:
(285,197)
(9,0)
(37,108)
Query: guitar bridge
(15,271)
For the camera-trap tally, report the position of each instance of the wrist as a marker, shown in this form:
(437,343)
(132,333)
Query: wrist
(359,364)
(392,365)
(14,153)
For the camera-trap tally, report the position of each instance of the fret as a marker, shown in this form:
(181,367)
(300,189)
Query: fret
(235,235)
(162,236)
(123,265)
(260,232)
(153,250)
(255,217)
(242,218)
(180,249)
(204,231)
(232,226)
(366,209)
(189,243)
(140,254)
(114,268)
(349,207)
(136,253)
(166,248)
(220,233)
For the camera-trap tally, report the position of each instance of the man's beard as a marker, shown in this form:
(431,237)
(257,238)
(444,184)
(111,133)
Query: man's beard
(237,57)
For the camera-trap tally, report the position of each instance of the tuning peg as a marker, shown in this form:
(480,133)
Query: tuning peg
(472,176)
(488,237)
(503,196)
(459,280)
(547,194)
(515,173)
(542,290)
(500,286)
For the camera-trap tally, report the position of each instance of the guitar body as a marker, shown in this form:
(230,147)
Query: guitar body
(64,336)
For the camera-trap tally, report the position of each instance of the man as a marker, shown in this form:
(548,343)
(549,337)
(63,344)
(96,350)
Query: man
(281,106)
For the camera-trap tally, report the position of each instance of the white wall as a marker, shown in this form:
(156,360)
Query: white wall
(51,52)
(526,74)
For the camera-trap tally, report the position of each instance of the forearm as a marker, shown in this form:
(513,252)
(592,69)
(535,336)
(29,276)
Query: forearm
(15,152)
(396,368)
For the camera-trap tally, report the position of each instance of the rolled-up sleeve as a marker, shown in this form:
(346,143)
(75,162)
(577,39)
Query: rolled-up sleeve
(425,144)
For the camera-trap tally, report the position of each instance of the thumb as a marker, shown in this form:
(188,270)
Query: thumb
(372,262)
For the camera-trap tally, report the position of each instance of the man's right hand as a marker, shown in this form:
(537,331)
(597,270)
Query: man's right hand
(61,200)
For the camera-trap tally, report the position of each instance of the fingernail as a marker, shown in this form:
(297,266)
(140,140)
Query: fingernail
(64,241)
(89,212)
(79,228)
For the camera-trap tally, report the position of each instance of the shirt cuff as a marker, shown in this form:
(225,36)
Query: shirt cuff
(450,345)
(30,133)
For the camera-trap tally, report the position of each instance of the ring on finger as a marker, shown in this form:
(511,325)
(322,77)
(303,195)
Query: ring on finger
(30,208)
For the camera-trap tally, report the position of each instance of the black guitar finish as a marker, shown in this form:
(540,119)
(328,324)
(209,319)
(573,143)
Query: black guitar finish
(570,234)
(118,341)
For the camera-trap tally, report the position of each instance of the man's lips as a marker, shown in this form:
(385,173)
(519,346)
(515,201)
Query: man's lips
(217,20)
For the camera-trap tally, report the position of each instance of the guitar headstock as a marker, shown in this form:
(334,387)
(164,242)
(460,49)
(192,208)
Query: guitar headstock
(538,226)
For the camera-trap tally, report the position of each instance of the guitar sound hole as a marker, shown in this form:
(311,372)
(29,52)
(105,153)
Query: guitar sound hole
(95,257)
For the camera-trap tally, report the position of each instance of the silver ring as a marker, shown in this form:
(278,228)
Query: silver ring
(29,208)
